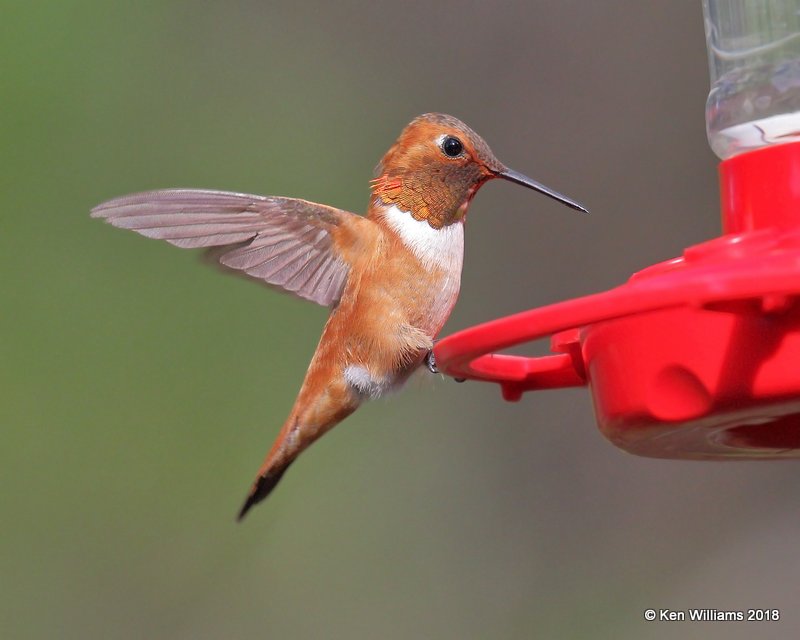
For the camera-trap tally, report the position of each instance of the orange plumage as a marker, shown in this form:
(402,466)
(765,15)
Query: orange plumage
(391,278)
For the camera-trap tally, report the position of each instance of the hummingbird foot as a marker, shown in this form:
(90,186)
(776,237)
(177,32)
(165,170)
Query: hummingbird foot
(430,362)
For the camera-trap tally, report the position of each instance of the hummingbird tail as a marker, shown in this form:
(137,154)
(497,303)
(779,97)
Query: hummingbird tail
(323,402)
(262,487)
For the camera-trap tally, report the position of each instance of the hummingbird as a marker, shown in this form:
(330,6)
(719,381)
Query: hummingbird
(391,278)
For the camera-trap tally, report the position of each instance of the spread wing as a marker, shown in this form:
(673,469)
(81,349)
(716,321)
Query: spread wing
(289,243)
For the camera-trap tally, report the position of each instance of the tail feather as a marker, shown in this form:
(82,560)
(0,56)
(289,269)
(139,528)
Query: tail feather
(318,407)
(261,488)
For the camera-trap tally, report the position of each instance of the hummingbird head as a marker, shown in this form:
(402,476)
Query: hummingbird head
(435,168)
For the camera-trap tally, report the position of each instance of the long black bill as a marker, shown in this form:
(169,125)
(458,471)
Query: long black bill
(525,181)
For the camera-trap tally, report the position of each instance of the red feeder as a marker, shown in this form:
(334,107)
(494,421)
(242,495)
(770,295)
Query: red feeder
(696,357)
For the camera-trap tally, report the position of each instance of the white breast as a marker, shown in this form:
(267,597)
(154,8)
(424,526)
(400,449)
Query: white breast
(436,248)
(440,247)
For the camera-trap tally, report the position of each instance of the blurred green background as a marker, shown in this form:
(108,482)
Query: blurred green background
(140,390)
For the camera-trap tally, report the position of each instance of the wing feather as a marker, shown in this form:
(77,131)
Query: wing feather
(285,242)
(306,278)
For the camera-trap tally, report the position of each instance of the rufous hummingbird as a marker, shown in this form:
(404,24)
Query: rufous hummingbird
(390,278)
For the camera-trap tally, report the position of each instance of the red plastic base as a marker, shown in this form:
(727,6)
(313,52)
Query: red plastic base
(712,382)
(696,357)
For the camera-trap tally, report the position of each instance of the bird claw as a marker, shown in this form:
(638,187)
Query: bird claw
(430,362)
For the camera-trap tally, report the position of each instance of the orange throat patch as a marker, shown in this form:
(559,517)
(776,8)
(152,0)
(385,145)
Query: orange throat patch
(429,200)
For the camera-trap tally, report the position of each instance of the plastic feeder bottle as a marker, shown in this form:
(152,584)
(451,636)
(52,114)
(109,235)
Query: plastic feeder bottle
(699,356)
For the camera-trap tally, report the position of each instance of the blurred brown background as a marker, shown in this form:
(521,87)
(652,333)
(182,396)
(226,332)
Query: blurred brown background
(141,390)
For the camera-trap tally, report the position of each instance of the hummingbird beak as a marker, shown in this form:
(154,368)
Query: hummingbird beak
(525,181)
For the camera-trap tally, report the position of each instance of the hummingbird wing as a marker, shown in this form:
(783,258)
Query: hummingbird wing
(292,244)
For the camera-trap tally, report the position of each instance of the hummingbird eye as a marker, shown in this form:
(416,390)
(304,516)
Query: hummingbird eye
(452,147)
